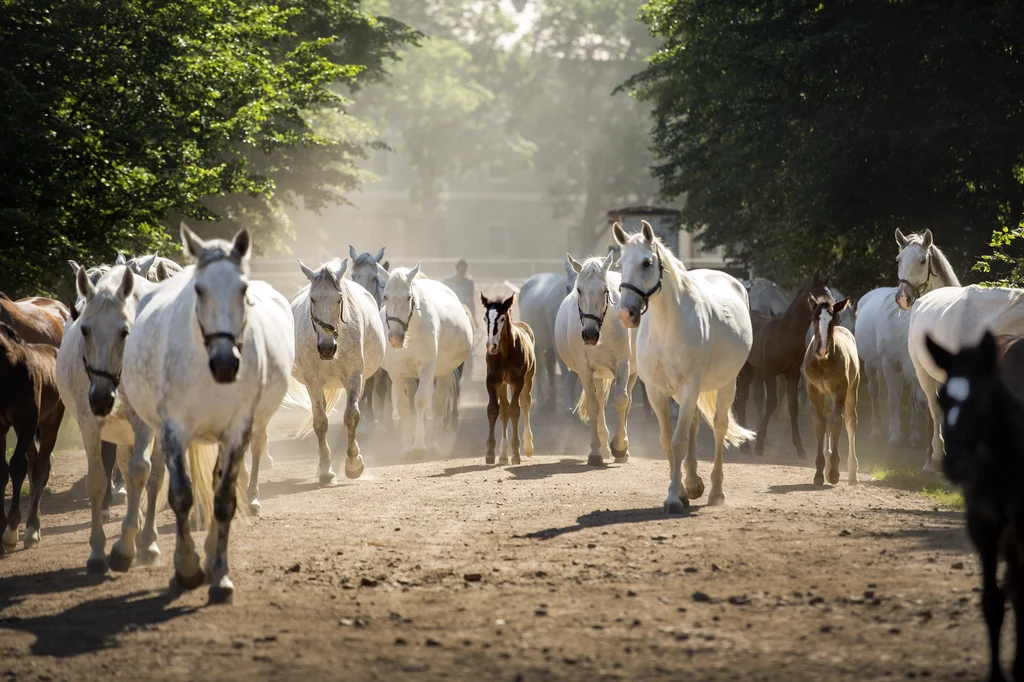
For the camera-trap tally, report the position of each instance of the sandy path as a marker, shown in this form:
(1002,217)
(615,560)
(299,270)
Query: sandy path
(549,570)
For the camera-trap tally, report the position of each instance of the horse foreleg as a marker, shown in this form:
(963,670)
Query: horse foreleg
(146,544)
(986,536)
(724,401)
(549,369)
(318,405)
(515,410)
(591,406)
(684,434)
(97,483)
(423,402)
(835,427)
(623,390)
(366,398)
(225,502)
(439,422)
(40,472)
(770,386)
(568,382)
(850,418)
(503,411)
(353,459)
(401,402)
(493,412)
(792,392)
(258,447)
(108,455)
(188,575)
(26,432)
(660,404)
(930,388)
(139,468)
(873,395)
(819,410)
(525,404)
(894,389)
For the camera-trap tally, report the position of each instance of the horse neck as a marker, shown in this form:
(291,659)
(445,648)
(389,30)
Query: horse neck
(798,313)
(944,275)
(507,340)
(665,304)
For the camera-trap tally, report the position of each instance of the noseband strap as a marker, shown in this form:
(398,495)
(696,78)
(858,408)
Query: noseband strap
(399,321)
(317,322)
(918,291)
(92,373)
(595,318)
(645,296)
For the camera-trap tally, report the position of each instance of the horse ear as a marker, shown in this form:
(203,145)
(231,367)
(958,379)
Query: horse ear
(573,263)
(606,264)
(387,265)
(647,231)
(242,245)
(85,288)
(927,239)
(161,272)
(415,271)
(190,243)
(483,299)
(840,306)
(942,357)
(901,240)
(305,271)
(620,236)
(120,260)
(382,271)
(506,305)
(146,265)
(127,284)
(75,267)
(342,269)
(987,348)
(812,302)
(352,253)
(380,254)
(817,278)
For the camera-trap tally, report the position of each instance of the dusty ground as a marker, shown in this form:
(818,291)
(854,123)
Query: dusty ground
(549,570)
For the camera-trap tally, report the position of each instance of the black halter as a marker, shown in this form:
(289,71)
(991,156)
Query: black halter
(209,338)
(317,322)
(918,291)
(413,306)
(588,316)
(645,296)
(92,372)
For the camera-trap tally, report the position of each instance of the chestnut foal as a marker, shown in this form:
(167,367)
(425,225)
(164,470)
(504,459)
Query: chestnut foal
(511,363)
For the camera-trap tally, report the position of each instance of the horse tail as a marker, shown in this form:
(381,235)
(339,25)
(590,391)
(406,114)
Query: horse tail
(298,397)
(583,408)
(202,460)
(735,434)
(450,403)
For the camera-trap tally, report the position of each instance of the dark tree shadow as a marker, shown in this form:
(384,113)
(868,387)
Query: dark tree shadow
(92,625)
(797,488)
(15,589)
(599,519)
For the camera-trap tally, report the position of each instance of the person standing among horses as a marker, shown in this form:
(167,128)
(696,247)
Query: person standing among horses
(465,289)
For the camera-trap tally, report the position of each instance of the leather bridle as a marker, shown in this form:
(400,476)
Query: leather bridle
(413,306)
(210,337)
(588,316)
(92,372)
(645,296)
(918,291)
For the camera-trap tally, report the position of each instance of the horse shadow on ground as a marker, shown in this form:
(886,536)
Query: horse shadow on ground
(527,471)
(936,530)
(797,488)
(611,517)
(89,626)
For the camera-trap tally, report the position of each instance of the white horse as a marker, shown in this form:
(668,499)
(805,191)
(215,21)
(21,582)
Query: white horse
(539,300)
(766,297)
(366,274)
(430,338)
(881,335)
(208,360)
(339,344)
(691,345)
(953,316)
(89,369)
(601,350)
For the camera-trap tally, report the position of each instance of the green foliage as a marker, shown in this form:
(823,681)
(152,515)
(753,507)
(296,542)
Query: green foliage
(1006,261)
(802,133)
(121,116)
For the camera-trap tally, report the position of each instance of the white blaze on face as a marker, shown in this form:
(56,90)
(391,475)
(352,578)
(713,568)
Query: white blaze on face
(494,325)
(954,414)
(957,388)
(824,320)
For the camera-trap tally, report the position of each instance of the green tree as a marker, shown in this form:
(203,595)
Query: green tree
(802,133)
(122,114)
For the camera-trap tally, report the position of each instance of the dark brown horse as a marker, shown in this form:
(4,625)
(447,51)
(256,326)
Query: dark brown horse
(30,404)
(35,319)
(778,348)
(511,363)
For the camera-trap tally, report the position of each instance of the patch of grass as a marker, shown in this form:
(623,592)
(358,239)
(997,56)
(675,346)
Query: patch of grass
(940,492)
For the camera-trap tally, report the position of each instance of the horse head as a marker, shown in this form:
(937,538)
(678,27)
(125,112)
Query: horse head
(326,304)
(495,318)
(219,283)
(824,317)
(593,296)
(104,321)
(642,263)
(366,274)
(914,266)
(400,303)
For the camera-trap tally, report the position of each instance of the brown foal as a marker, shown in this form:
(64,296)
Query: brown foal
(511,363)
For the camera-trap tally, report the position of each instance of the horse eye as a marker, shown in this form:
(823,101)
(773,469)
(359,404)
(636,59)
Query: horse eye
(85,332)
(922,261)
(648,262)
(124,333)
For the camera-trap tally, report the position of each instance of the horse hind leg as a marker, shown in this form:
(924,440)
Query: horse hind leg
(503,412)
(40,472)
(19,470)
(772,401)
(146,543)
(850,418)
(5,474)
(122,554)
(894,391)
(525,404)
(724,400)
(792,392)
(515,410)
(353,459)
(258,447)
(693,483)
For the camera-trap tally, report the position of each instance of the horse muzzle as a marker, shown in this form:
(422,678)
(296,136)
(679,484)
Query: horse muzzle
(591,335)
(902,299)
(327,349)
(101,399)
(225,359)
(629,315)
(397,341)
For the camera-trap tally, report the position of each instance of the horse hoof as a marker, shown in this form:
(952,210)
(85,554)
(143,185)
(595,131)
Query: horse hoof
(716,498)
(10,539)
(356,470)
(255,508)
(528,451)
(31,538)
(759,450)
(187,583)
(676,506)
(620,455)
(595,460)
(503,459)
(696,490)
(149,555)
(119,562)
(119,496)
(894,441)
(852,479)
(223,593)
(819,479)
(800,454)
(328,478)
(97,566)
(745,447)
(105,515)
(516,460)
(489,459)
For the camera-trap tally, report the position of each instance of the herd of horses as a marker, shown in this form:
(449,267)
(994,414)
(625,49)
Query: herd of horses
(176,372)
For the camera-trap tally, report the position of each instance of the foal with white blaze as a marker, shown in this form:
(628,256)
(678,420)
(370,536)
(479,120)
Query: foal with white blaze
(511,364)
(602,351)
(339,343)
(430,337)
(831,371)
(209,360)
(691,344)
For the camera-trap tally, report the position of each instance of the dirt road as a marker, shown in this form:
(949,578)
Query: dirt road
(549,570)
